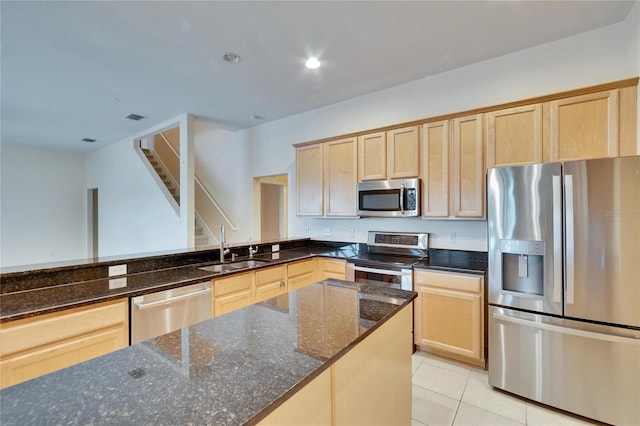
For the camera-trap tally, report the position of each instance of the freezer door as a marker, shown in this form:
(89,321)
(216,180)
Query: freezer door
(602,240)
(591,370)
(524,219)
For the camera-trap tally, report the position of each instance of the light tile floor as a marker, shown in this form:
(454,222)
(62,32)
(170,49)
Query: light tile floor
(447,393)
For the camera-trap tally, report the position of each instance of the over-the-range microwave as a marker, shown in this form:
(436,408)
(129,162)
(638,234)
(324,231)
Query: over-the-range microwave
(389,198)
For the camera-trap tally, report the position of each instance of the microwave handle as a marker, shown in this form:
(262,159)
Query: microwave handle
(402,198)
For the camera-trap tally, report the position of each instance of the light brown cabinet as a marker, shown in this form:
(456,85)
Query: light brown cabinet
(232,293)
(394,154)
(32,347)
(271,282)
(310,179)
(449,318)
(453,168)
(370,384)
(341,177)
(301,273)
(331,268)
(583,127)
(514,136)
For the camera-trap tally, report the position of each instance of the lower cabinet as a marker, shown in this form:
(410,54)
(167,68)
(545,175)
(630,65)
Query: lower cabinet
(369,385)
(271,282)
(301,273)
(234,292)
(449,316)
(331,268)
(32,347)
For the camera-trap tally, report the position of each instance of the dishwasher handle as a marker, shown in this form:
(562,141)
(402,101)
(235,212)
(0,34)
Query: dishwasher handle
(142,306)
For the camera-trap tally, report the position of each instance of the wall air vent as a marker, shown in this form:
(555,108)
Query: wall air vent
(88,140)
(134,117)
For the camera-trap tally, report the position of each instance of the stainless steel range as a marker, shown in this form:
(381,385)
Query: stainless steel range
(389,259)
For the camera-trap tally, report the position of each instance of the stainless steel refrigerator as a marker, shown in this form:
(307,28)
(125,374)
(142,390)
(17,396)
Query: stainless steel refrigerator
(564,285)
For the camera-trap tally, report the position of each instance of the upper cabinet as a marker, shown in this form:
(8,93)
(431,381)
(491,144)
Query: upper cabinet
(453,168)
(341,177)
(584,126)
(514,136)
(327,176)
(389,155)
(310,179)
(372,156)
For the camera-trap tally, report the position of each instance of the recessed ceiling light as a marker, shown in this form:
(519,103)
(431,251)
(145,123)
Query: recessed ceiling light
(232,58)
(134,117)
(88,140)
(312,63)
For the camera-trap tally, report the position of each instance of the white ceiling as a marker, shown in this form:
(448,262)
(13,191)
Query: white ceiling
(72,70)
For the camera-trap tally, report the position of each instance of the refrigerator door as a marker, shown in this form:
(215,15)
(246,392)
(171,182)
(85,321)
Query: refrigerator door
(524,219)
(602,241)
(588,369)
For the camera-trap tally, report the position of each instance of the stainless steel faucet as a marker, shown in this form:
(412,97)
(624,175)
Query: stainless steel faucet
(223,250)
(252,250)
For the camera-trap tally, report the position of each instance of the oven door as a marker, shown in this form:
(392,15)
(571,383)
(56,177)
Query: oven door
(391,276)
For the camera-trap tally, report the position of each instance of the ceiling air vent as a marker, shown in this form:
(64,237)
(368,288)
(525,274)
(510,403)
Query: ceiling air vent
(134,117)
(88,140)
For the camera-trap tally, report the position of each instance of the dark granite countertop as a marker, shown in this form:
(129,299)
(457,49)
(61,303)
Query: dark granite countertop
(37,301)
(469,262)
(230,370)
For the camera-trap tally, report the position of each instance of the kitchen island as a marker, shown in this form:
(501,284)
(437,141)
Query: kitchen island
(334,348)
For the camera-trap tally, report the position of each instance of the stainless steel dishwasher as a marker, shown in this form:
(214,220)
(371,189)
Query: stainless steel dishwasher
(159,313)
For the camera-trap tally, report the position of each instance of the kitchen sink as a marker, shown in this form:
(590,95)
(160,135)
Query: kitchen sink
(233,266)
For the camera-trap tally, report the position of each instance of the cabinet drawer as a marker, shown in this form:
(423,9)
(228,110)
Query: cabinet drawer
(301,268)
(332,265)
(449,280)
(46,329)
(270,275)
(233,284)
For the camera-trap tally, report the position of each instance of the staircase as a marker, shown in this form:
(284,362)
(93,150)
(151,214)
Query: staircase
(202,237)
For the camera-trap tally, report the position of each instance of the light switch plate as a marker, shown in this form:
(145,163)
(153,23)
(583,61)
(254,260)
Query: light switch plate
(275,247)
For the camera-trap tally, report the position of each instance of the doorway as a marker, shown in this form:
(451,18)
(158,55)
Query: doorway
(270,212)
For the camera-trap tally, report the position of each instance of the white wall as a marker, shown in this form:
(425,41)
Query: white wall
(599,56)
(43,207)
(134,215)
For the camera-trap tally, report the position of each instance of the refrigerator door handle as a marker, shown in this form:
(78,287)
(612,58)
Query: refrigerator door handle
(569,237)
(566,330)
(557,239)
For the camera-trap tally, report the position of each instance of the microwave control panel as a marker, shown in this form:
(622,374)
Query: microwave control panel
(411,199)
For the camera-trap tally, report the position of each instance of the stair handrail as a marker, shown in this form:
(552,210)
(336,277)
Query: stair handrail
(204,189)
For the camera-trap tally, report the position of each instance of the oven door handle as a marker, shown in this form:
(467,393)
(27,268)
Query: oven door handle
(403,272)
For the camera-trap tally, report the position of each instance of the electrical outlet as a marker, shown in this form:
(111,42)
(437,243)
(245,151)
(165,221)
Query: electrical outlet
(326,231)
(452,237)
(117,283)
(117,270)
(352,233)
(275,247)
(306,230)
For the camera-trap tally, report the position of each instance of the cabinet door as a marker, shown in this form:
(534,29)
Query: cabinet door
(449,315)
(309,177)
(467,163)
(403,153)
(36,346)
(372,156)
(234,292)
(341,177)
(584,127)
(270,282)
(435,169)
(514,136)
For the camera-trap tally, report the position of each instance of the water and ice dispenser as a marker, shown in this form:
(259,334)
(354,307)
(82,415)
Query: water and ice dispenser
(523,266)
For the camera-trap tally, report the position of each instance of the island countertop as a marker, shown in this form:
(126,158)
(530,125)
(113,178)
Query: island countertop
(232,369)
